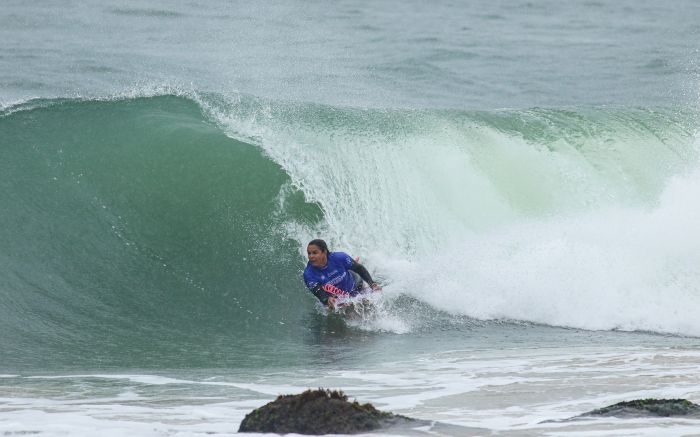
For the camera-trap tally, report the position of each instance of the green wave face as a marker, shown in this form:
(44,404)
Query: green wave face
(134,232)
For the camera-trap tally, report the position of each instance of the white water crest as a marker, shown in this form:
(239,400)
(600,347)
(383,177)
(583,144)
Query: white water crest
(584,220)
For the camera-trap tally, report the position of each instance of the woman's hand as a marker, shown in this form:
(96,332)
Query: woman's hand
(331,303)
(376,287)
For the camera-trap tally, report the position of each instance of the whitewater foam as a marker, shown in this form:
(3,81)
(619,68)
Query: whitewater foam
(582,220)
(514,391)
(630,269)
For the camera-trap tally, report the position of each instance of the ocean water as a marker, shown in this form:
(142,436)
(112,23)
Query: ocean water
(521,176)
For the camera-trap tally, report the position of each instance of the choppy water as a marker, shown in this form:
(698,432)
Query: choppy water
(521,176)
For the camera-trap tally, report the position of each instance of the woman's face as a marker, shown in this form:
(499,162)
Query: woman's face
(317,257)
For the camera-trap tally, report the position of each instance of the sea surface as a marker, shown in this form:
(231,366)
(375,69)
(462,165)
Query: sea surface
(521,176)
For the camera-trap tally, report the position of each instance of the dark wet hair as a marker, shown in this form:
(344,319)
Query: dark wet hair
(320,244)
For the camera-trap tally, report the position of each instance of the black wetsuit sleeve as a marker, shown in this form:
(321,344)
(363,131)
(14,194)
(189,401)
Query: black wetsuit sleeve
(320,294)
(362,271)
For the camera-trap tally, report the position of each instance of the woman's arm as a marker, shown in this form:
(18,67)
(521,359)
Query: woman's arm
(320,294)
(364,274)
(327,291)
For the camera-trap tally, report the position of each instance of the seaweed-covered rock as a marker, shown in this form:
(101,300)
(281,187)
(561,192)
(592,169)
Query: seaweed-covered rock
(649,407)
(317,412)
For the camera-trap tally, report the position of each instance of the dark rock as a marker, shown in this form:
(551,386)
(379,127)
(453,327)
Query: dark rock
(317,412)
(649,407)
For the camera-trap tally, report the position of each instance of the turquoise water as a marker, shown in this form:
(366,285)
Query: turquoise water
(521,177)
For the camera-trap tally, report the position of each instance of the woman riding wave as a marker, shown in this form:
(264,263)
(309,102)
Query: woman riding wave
(330,275)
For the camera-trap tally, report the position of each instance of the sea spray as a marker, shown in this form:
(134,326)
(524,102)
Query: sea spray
(560,217)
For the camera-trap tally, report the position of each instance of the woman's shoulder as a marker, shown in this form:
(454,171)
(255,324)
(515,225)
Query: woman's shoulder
(310,274)
(341,257)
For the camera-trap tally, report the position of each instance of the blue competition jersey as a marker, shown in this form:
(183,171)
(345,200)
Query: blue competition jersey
(335,273)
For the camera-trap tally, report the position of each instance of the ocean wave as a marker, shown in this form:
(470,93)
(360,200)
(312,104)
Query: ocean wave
(181,215)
